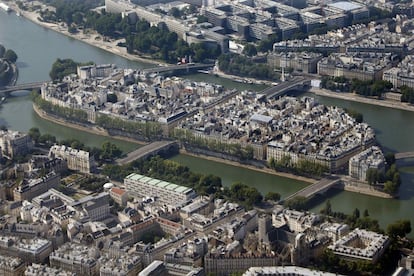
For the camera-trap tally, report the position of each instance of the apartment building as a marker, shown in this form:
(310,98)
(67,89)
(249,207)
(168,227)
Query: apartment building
(371,158)
(77,160)
(14,143)
(169,193)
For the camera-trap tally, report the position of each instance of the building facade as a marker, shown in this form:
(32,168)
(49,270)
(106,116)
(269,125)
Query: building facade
(169,193)
(77,160)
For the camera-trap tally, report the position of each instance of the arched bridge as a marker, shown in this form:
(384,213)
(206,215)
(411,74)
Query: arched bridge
(182,67)
(23,86)
(317,188)
(151,149)
(284,87)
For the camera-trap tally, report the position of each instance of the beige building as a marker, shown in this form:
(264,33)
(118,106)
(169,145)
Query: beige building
(29,250)
(361,66)
(75,258)
(14,143)
(44,270)
(371,158)
(77,160)
(120,196)
(298,61)
(31,188)
(11,266)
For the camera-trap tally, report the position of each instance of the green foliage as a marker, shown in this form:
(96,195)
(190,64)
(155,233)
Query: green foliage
(390,158)
(399,229)
(243,66)
(243,194)
(92,183)
(296,203)
(6,71)
(266,45)
(201,19)
(407,94)
(64,67)
(302,167)
(34,133)
(272,196)
(327,210)
(373,176)
(359,117)
(112,98)
(10,55)
(392,180)
(186,136)
(368,88)
(71,114)
(250,50)
(148,130)
(151,237)
(110,151)
(167,170)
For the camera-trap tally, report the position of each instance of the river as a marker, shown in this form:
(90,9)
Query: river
(37,49)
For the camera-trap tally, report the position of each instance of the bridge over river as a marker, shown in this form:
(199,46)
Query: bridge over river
(151,149)
(284,87)
(317,188)
(24,86)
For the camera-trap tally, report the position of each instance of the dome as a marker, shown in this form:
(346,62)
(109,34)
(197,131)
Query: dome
(108,185)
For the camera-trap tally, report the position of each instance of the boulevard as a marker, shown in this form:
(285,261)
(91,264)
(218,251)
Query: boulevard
(29,42)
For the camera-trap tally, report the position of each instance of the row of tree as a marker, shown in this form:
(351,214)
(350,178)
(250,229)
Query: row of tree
(71,114)
(390,179)
(369,88)
(145,130)
(234,149)
(302,167)
(107,153)
(243,66)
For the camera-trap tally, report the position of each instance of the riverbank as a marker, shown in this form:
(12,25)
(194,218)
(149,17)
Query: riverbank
(91,37)
(94,130)
(249,167)
(360,99)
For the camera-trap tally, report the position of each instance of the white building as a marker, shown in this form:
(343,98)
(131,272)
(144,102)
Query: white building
(77,160)
(169,193)
(371,158)
(361,244)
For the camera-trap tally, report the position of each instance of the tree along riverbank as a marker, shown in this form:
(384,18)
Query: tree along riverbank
(91,129)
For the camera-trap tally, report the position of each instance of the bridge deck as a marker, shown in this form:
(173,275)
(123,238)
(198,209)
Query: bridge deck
(144,151)
(23,86)
(403,155)
(282,88)
(315,188)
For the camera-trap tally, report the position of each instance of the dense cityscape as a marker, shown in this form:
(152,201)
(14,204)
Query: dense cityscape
(67,208)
